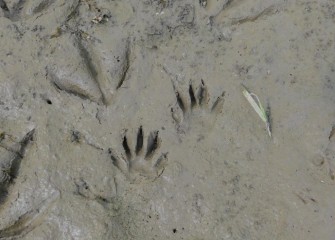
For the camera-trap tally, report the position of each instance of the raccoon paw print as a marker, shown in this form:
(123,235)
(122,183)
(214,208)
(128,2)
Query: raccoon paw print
(137,163)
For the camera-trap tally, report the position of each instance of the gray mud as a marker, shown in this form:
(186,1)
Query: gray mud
(126,120)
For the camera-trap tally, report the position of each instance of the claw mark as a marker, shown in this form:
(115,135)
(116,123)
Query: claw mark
(118,162)
(126,147)
(180,102)
(153,144)
(192,96)
(139,144)
(112,155)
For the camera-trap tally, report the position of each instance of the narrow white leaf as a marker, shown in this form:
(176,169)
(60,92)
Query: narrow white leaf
(257,106)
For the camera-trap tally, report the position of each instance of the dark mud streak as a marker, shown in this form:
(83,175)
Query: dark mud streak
(139,142)
(153,144)
(201,96)
(126,147)
(113,157)
(192,96)
(180,102)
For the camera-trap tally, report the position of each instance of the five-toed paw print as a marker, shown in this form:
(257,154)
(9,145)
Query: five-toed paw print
(195,113)
(138,164)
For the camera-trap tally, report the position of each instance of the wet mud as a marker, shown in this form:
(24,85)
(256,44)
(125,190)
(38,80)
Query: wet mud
(126,119)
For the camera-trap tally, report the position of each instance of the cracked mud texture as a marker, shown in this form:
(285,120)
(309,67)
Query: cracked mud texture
(114,125)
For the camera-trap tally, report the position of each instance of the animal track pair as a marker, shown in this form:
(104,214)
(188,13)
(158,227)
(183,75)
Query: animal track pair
(135,162)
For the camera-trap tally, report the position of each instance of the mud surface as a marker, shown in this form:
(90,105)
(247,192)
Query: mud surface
(126,119)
